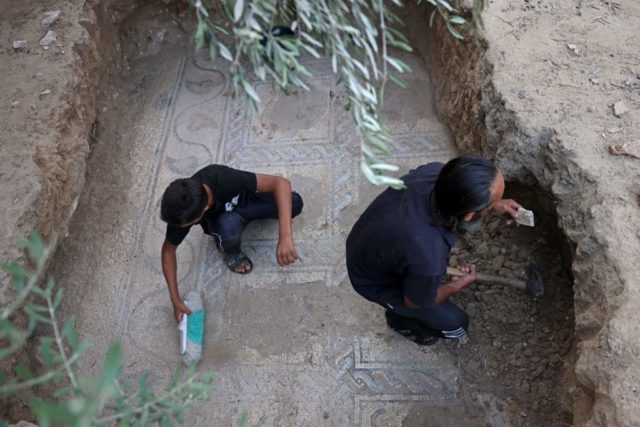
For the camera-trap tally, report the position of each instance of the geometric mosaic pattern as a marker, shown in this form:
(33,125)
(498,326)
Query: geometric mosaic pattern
(293,346)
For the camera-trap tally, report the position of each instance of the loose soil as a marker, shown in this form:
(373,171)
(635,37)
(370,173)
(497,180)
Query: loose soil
(520,348)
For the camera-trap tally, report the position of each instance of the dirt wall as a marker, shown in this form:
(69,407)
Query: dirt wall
(503,96)
(49,104)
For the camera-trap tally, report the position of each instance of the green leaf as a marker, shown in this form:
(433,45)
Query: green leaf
(432,17)
(446,5)
(398,64)
(225,52)
(47,354)
(250,91)
(47,413)
(368,173)
(384,166)
(237,11)
(165,421)
(398,80)
(50,285)
(17,274)
(457,20)
(34,316)
(311,51)
(392,182)
(70,333)
(199,36)
(112,364)
(35,246)
(58,297)
(310,39)
(213,53)
(244,418)
(401,45)
(454,31)
(22,372)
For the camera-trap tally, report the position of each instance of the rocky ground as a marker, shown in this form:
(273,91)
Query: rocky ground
(519,347)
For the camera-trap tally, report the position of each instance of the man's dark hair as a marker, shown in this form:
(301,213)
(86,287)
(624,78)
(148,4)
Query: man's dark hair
(183,201)
(463,185)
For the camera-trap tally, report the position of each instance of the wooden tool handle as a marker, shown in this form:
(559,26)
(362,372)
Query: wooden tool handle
(490,278)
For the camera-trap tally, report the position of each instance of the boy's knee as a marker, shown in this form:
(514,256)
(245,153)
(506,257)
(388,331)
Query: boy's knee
(230,226)
(296,204)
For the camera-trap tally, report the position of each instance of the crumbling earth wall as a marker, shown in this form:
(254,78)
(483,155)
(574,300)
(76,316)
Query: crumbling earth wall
(48,92)
(535,92)
(53,89)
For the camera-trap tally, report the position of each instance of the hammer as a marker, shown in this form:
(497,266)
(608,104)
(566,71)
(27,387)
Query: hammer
(532,285)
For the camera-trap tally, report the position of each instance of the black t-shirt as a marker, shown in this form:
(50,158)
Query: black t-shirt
(229,187)
(396,245)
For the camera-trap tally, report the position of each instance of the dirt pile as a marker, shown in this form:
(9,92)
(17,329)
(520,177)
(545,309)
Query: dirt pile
(520,348)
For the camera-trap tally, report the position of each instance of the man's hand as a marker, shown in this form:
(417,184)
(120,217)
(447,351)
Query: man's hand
(180,309)
(506,207)
(286,252)
(461,282)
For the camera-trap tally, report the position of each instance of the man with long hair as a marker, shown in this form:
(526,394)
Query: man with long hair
(398,250)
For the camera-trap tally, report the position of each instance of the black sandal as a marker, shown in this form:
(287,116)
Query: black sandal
(235,260)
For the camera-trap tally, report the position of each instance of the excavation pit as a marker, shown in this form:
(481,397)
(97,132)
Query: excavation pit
(297,346)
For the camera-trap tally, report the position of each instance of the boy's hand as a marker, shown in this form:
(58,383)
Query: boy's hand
(286,252)
(180,309)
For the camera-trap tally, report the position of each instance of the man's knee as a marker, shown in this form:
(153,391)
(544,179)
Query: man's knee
(296,204)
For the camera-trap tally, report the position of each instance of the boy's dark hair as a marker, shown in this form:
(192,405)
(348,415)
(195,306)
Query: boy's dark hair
(183,201)
(463,185)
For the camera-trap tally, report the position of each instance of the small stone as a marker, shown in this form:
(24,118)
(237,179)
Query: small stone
(473,365)
(497,262)
(482,248)
(620,109)
(19,44)
(524,387)
(614,130)
(512,408)
(15,104)
(49,38)
(161,35)
(573,48)
(325,415)
(45,92)
(554,358)
(471,310)
(50,17)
